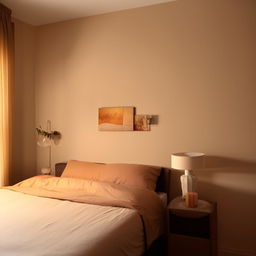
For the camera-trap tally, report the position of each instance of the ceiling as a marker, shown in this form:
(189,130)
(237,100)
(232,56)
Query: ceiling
(39,12)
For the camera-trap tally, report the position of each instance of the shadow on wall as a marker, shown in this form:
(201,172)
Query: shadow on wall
(222,162)
(232,184)
(216,166)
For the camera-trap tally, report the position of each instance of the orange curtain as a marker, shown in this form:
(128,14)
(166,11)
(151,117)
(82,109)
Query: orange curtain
(6,74)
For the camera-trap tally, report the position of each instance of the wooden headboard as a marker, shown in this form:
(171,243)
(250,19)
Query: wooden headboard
(163,182)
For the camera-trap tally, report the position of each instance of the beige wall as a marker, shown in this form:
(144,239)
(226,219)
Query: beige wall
(24,147)
(192,63)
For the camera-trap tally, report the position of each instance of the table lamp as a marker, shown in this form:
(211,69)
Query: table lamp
(44,139)
(187,161)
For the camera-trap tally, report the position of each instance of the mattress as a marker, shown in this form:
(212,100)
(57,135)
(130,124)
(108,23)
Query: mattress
(37,226)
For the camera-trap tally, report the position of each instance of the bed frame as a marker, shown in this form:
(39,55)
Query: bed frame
(159,246)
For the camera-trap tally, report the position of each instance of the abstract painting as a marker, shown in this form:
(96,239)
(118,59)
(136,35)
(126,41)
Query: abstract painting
(142,123)
(116,119)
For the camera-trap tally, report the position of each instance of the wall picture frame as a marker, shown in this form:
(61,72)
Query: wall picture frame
(142,123)
(116,119)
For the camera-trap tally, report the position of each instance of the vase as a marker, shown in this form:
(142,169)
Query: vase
(43,141)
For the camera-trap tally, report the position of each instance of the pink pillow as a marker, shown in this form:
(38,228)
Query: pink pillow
(140,176)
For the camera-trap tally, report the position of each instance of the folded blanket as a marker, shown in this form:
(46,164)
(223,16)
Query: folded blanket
(146,202)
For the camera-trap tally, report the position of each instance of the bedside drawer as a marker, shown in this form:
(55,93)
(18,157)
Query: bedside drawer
(180,245)
(198,227)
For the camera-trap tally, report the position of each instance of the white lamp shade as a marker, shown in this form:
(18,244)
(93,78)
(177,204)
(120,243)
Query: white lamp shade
(187,160)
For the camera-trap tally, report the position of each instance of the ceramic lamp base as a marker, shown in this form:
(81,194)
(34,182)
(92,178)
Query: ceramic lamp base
(188,183)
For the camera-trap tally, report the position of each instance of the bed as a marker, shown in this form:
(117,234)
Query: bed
(86,210)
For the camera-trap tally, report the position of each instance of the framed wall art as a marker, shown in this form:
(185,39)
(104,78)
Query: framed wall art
(116,119)
(142,123)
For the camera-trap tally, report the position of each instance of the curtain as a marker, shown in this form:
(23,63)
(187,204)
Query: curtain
(6,74)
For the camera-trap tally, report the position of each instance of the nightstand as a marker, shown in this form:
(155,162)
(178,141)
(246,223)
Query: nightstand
(192,231)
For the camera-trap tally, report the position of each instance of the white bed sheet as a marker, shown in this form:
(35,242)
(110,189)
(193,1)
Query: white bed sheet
(37,226)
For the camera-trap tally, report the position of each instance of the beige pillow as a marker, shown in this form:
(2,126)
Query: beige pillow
(140,176)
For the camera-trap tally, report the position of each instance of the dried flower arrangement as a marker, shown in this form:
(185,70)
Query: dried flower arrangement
(48,134)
